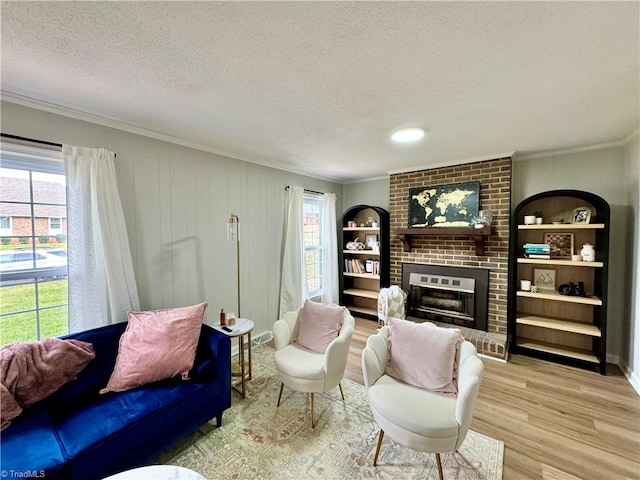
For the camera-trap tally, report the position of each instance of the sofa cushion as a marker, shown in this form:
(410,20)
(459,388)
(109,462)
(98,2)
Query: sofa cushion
(30,443)
(156,345)
(424,355)
(319,325)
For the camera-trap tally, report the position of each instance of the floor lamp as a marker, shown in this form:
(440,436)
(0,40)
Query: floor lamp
(233,230)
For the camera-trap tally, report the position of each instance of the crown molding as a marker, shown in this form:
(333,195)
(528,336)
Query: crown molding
(587,148)
(479,158)
(25,101)
(364,180)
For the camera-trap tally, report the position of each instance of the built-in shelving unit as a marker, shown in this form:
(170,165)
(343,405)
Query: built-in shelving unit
(564,328)
(364,271)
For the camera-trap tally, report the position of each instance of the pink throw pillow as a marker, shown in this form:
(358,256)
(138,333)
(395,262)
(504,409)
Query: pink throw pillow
(156,345)
(424,355)
(319,325)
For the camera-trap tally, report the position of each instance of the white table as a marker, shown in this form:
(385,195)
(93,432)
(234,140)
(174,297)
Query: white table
(157,472)
(241,330)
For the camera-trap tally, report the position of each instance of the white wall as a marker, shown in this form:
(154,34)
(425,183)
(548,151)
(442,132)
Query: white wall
(601,172)
(177,201)
(631,354)
(369,192)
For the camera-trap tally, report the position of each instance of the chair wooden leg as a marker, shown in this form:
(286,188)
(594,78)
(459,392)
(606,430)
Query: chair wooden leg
(313,413)
(280,396)
(375,457)
(341,391)
(439,465)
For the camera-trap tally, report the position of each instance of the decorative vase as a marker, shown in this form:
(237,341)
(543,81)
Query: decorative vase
(588,253)
(538,220)
(529,219)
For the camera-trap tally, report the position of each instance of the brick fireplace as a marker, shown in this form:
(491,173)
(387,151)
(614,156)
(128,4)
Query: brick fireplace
(459,251)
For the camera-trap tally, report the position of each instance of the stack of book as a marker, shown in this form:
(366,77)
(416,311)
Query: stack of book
(537,250)
(352,265)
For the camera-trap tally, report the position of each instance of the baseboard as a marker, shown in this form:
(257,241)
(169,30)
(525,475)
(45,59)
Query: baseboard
(489,357)
(632,376)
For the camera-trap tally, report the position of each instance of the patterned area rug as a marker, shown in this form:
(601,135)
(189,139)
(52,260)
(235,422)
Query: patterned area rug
(259,441)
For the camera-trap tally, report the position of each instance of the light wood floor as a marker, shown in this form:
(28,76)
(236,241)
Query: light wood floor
(557,422)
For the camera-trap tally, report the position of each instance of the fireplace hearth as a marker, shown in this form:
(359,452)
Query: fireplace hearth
(447,294)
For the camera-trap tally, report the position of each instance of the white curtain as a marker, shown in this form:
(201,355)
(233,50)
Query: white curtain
(293,287)
(102,285)
(329,250)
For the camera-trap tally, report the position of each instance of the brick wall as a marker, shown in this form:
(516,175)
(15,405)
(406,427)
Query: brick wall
(495,196)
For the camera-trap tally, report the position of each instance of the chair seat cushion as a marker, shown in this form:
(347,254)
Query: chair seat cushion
(297,362)
(416,410)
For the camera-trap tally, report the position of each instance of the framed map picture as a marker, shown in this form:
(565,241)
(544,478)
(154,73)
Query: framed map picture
(452,205)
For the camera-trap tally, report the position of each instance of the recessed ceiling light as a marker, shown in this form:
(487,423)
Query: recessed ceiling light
(407,135)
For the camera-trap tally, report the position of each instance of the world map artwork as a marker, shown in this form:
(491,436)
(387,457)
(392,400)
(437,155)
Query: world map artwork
(452,205)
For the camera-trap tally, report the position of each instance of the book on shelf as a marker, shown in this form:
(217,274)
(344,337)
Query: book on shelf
(542,256)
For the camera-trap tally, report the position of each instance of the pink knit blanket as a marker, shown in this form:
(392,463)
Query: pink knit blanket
(31,371)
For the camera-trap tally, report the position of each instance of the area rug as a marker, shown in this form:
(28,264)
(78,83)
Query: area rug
(259,441)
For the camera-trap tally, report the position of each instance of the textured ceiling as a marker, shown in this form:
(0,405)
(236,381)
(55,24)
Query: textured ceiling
(317,87)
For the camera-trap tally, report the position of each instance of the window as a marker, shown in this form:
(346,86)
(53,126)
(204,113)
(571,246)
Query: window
(55,226)
(312,221)
(5,226)
(33,264)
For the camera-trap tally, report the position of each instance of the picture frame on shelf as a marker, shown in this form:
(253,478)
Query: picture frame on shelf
(561,244)
(544,278)
(581,215)
(371,240)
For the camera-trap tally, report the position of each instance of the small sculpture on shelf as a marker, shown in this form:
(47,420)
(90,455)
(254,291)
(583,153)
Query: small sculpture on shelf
(355,245)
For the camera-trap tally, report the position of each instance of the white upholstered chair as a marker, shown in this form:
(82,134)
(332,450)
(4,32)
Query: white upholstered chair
(416,418)
(307,371)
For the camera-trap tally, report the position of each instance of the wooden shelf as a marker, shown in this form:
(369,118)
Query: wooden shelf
(359,292)
(574,353)
(558,324)
(563,263)
(476,234)
(361,252)
(362,275)
(364,229)
(551,295)
(363,310)
(563,226)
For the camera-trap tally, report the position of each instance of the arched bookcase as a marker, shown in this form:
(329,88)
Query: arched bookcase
(564,328)
(364,271)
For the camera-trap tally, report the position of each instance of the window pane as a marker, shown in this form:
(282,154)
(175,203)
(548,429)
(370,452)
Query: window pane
(49,189)
(19,327)
(15,186)
(33,257)
(52,293)
(53,321)
(314,270)
(16,298)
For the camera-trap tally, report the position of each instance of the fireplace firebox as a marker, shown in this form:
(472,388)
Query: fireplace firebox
(443,293)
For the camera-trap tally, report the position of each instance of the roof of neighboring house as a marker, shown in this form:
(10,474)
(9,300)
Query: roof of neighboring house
(47,193)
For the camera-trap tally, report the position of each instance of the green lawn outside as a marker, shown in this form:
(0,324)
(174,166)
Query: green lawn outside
(22,326)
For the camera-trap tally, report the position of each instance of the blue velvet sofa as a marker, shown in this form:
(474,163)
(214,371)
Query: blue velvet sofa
(77,433)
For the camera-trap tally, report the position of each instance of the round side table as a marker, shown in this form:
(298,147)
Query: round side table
(242,370)
(157,472)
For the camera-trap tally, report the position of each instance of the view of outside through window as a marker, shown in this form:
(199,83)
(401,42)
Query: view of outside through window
(33,255)
(312,215)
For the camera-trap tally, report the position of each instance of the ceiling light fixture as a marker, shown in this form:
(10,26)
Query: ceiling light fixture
(407,135)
